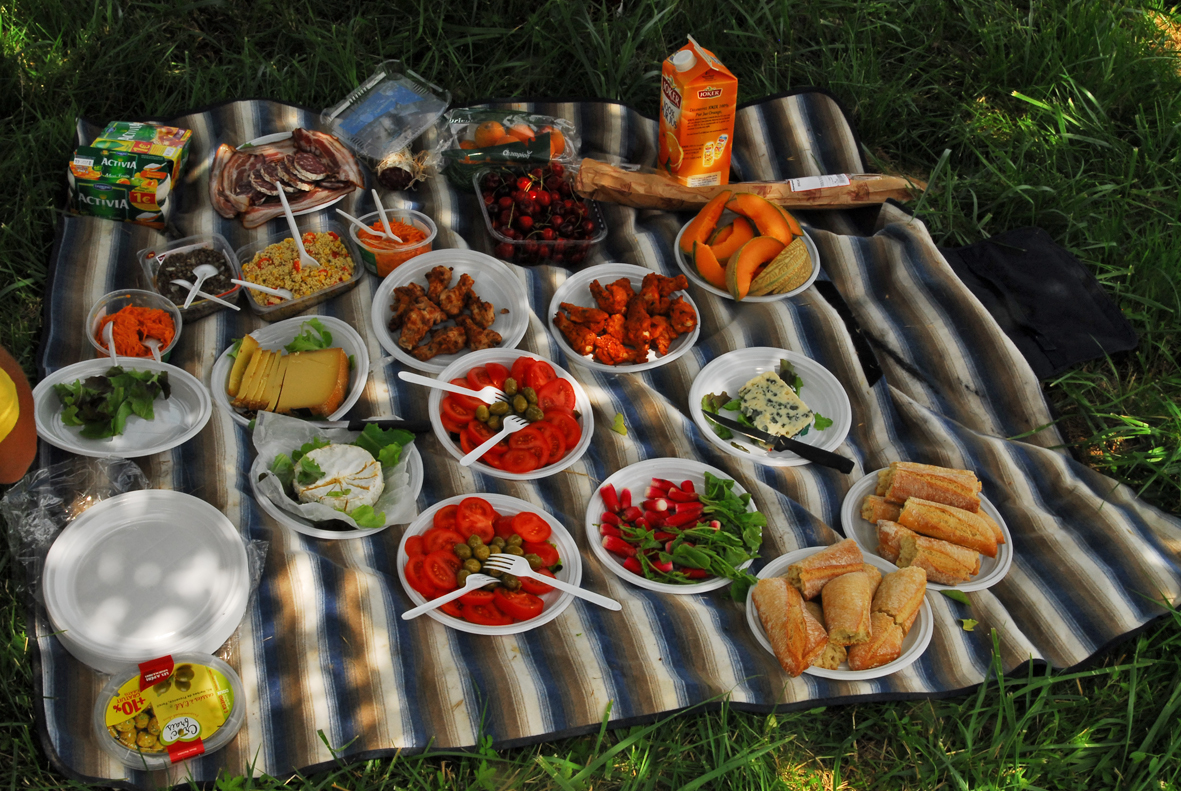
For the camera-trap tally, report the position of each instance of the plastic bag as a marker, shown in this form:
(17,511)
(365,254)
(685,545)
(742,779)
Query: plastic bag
(275,434)
(472,139)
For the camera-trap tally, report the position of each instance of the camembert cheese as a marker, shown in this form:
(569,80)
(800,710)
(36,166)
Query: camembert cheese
(352,478)
(773,406)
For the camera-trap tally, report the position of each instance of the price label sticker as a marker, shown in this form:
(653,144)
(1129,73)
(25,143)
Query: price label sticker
(818,182)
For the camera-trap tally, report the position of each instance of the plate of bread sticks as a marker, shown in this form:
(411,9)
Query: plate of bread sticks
(932,517)
(836,613)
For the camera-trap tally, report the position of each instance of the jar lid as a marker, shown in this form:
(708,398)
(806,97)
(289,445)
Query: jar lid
(684,60)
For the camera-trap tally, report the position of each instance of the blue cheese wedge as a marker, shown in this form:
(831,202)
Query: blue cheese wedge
(352,478)
(773,406)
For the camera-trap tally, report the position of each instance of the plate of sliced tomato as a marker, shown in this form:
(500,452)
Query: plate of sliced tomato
(545,446)
(429,564)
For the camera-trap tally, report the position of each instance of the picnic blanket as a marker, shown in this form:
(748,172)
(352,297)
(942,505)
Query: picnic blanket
(330,669)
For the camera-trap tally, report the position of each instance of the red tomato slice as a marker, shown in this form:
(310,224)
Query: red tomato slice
(555,438)
(414,546)
(485,615)
(416,576)
(471,402)
(497,373)
(452,608)
(547,552)
(478,596)
(436,539)
(445,517)
(536,587)
(449,425)
(440,567)
(503,526)
(456,411)
(567,424)
(531,527)
(541,374)
(478,377)
(475,515)
(558,393)
(518,604)
(530,438)
(521,367)
(520,461)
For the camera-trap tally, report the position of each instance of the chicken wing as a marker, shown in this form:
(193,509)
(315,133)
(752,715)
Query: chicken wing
(581,338)
(478,337)
(418,322)
(637,329)
(592,318)
(614,327)
(663,334)
(681,315)
(448,340)
(437,279)
(453,299)
(483,313)
(610,351)
(404,299)
(654,304)
(614,297)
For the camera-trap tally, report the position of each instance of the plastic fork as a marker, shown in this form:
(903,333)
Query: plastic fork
(186,284)
(519,567)
(277,292)
(488,394)
(512,423)
(473,582)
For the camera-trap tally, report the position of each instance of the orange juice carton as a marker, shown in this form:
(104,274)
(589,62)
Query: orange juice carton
(698,99)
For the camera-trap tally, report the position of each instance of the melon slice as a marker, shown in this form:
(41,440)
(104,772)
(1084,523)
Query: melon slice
(700,227)
(743,232)
(708,266)
(740,270)
(766,216)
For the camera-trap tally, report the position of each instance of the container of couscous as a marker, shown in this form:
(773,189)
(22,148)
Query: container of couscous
(383,255)
(274,261)
(170,709)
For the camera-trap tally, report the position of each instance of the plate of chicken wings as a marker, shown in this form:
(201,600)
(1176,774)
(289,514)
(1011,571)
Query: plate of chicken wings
(623,318)
(440,305)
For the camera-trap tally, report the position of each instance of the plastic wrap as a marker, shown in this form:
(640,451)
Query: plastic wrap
(466,145)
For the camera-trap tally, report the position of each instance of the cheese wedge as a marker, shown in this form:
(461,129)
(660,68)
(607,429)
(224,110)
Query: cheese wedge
(316,381)
(773,406)
(258,363)
(245,352)
(270,398)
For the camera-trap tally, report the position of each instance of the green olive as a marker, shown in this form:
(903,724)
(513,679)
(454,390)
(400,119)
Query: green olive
(534,413)
(474,541)
(498,542)
(495,423)
(513,549)
(142,719)
(500,408)
(463,551)
(145,740)
(482,413)
(515,540)
(128,739)
(472,565)
(154,726)
(520,404)
(493,549)
(111,730)
(185,672)
(127,726)
(530,395)
(481,552)
(461,576)
(535,561)
(495,572)
(510,387)
(510,582)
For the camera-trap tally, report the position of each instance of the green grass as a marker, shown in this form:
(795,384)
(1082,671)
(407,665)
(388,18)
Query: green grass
(1065,115)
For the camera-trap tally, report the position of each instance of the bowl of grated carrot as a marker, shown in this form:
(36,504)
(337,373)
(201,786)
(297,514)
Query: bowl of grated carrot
(383,255)
(135,314)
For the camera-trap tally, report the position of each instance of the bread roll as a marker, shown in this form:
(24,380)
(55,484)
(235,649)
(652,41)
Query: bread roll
(882,648)
(903,484)
(795,636)
(810,574)
(949,524)
(901,595)
(945,563)
(833,655)
(874,507)
(890,539)
(875,577)
(846,602)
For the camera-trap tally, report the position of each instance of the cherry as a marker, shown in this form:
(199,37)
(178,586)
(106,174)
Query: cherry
(589,228)
(537,173)
(504,250)
(547,234)
(557,168)
(564,188)
(542,198)
(525,223)
(524,183)
(505,202)
(543,251)
(492,181)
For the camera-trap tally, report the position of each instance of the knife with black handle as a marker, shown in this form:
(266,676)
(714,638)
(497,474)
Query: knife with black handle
(813,454)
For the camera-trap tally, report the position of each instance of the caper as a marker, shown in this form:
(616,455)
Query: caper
(534,413)
(498,542)
(520,404)
(530,395)
(495,423)
(142,719)
(183,685)
(472,565)
(481,552)
(500,408)
(510,387)
(515,540)
(474,541)
(510,582)
(495,572)
(482,413)
(145,740)
(513,549)
(185,672)
(461,576)
(463,551)
(535,561)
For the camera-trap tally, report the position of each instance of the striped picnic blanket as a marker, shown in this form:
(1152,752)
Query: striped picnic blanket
(331,670)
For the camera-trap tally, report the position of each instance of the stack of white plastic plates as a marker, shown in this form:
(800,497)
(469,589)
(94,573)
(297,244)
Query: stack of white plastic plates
(145,574)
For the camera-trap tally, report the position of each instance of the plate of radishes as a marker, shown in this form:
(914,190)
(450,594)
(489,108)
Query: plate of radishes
(675,526)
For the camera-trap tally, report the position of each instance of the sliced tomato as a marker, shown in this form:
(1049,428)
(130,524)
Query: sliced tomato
(440,567)
(531,527)
(457,411)
(476,515)
(557,441)
(547,552)
(497,373)
(520,461)
(452,608)
(478,377)
(445,516)
(478,596)
(536,587)
(471,402)
(567,424)
(539,375)
(530,438)
(416,576)
(451,426)
(441,538)
(503,526)
(485,615)
(518,604)
(414,546)
(521,367)
(558,393)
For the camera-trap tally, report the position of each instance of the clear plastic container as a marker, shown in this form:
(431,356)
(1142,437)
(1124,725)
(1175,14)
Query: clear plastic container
(115,301)
(382,260)
(201,698)
(151,258)
(285,309)
(569,253)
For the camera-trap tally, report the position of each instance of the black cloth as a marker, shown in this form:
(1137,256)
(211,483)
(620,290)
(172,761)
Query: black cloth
(1044,299)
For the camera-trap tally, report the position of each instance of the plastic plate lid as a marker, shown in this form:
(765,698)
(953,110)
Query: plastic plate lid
(178,418)
(144,574)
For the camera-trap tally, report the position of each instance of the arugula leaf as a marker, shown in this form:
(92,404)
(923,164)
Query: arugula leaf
(385,445)
(341,493)
(352,362)
(308,447)
(733,405)
(959,596)
(822,422)
(710,404)
(618,426)
(309,471)
(237,347)
(102,404)
(365,516)
(284,469)
(314,336)
(788,374)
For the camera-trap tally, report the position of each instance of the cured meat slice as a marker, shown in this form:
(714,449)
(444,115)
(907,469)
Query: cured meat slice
(260,182)
(308,166)
(334,184)
(337,159)
(221,201)
(289,177)
(273,171)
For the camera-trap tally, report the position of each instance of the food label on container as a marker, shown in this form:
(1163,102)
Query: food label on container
(698,100)
(818,182)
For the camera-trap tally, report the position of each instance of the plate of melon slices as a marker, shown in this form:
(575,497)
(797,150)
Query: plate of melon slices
(743,247)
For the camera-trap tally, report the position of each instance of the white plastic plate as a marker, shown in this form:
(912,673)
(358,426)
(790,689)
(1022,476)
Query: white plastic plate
(821,392)
(274,337)
(555,601)
(178,418)
(576,290)
(638,477)
(992,570)
(913,644)
(495,282)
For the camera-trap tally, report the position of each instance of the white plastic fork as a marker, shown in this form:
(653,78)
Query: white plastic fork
(519,567)
(186,284)
(512,423)
(473,582)
(488,394)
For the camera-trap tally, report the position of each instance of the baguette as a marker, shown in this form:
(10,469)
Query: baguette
(948,523)
(945,563)
(884,647)
(810,574)
(875,577)
(846,602)
(996,529)
(890,536)
(903,484)
(795,636)
(875,507)
(833,654)
(901,595)
(968,477)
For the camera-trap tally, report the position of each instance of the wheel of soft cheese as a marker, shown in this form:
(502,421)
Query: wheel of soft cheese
(352,478)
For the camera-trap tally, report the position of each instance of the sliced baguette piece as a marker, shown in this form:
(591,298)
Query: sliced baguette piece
(882,648)
(890,539)
(846,602)
(795,636)
(966,476)
(833,654)
(944,562)
(875,507)
(875,577)
(949,523)
(901,595)
(810,574)
(904,484)
(996,529)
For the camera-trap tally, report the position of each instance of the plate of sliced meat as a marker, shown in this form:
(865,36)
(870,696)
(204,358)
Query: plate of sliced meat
(440,305)
(314,169)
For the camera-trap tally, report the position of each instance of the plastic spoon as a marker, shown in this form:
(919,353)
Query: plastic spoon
(154,345)
(277,292)
(203,273)
(384,220)
(203,295)
(109,337)
(363,226)
(304,258)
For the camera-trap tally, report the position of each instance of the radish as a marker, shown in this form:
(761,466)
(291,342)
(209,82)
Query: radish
(661,483)
(653,518)
(696,574)
(610,518)
(625,499)
(633,565)
(680,520)
(664,536)
(610,498)
(666,566)
(617,546)
(676,495)
(656,504)
(687,486)
(631,513)
(690,508)
(642,523)
(610,530)
(655,491)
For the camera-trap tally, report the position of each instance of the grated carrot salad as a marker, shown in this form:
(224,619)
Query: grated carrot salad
(133,324)
(407,233)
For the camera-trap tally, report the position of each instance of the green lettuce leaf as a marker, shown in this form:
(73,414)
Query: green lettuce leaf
(309,471)
(385,445)
(365,516)
(822,422)
(314,336)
